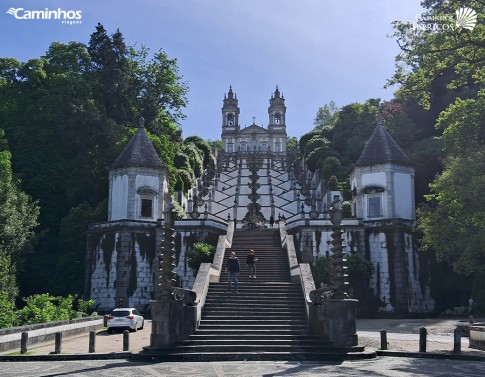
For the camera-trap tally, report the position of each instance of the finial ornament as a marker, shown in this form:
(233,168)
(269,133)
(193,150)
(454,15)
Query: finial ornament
(141,122)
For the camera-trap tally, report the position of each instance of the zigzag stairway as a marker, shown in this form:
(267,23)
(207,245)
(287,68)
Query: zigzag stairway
(265,320)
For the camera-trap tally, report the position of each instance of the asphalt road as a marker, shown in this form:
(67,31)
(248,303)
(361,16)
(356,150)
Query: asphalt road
(382,366)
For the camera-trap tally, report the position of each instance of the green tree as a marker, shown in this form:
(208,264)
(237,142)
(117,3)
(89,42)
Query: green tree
(292,144)
(110,70)
(201,253)
(435,66)
(445,72)
(326,116)
(322,271)
(42,308)
(453,224)
(67,115)
(18,219)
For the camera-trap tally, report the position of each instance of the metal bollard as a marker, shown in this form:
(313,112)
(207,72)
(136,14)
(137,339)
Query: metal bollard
(58,344)
(422,339)
(383,340)
(126,340)
(457,340)
(23,342)
(92,341)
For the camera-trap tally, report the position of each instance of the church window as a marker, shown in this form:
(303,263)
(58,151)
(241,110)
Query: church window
(244,147)
(146,208)
(147,202)
(277,146)
(374,206)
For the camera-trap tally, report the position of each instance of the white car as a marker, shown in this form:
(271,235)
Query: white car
(125,318)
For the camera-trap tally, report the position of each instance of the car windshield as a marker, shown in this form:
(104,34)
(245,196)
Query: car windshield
(120,313)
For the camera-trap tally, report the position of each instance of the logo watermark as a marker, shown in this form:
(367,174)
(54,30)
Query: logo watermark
(68,17)
(464,18)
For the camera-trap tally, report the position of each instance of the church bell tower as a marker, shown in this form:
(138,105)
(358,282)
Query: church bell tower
(277,110)
(230,111)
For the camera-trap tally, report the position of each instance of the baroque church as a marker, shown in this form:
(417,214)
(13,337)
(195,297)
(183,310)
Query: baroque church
(255,179)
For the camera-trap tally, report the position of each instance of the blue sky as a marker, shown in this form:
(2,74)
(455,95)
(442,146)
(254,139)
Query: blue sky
(316,51)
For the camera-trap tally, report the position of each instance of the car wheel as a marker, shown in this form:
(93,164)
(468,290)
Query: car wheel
(142,324)
(110,330)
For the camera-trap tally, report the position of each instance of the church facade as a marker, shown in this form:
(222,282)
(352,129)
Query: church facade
(254,138)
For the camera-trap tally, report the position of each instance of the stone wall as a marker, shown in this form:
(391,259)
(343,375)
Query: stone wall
(122,266)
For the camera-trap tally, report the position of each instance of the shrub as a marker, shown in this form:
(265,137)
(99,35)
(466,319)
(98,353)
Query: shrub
(322,271)
(201,253)
(43,308)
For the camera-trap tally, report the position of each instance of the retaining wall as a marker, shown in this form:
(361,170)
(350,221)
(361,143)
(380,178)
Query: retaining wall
(43,332)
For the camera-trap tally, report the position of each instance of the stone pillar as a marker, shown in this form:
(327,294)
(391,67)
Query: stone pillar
(334,321)
(172,320)
(123,270)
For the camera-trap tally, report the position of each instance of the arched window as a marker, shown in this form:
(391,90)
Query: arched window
(277,118)
(147,202)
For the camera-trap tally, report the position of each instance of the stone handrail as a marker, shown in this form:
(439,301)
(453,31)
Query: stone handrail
(307,284)
(287,241)
(211,272)
(300,272)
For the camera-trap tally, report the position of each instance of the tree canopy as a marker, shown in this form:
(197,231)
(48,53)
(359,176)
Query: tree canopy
(67,115)
(443,68)
(18,219)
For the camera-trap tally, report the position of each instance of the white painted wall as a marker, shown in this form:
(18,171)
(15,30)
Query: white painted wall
(119,198)
(374,179)
(403,200)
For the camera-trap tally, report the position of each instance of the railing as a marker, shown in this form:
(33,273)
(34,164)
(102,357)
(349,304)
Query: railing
(300,272)
(11,338)
(210,272)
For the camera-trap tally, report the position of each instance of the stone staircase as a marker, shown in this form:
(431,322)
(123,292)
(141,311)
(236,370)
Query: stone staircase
(265,320)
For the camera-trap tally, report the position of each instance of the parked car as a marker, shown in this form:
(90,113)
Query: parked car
(125,318)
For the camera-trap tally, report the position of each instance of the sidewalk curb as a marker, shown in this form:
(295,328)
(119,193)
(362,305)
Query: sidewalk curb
(129,356)
(67,357)
(430,355)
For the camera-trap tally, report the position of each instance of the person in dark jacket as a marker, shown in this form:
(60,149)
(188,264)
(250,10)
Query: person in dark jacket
(251,262)
(232,269)
(271,221)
